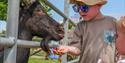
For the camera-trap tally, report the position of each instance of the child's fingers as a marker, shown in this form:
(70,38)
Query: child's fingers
(61,50)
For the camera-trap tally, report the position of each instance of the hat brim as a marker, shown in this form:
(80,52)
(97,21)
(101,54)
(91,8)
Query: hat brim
(85,2)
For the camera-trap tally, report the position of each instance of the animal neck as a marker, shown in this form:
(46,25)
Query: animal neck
(25,35)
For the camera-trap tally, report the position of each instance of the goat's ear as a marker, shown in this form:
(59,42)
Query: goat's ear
(21,5)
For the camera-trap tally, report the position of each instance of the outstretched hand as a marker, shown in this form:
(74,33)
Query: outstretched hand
(61,50)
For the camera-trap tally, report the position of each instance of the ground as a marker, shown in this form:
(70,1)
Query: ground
(40,58)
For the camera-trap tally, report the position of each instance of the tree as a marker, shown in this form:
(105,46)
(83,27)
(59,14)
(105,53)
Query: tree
(2,34)
(47,8)
(3,9)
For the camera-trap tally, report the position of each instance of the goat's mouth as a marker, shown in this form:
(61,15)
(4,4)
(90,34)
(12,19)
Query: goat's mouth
(57,37)
(61,36)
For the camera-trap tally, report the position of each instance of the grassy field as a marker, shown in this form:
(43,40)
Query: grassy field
(38,60)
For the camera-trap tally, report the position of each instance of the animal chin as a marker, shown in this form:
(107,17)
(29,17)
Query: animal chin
(58,37)
(61,35)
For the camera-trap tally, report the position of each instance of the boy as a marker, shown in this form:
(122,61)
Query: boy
(94,37)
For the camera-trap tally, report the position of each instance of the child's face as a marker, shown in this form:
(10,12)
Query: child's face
(91,13)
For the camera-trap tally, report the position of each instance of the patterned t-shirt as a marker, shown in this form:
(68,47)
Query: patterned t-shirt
(96,40)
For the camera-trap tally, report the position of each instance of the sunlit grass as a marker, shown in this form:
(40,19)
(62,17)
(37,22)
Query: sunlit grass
(38,60)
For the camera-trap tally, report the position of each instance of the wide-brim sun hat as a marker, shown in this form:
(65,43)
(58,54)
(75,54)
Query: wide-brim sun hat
(89,2)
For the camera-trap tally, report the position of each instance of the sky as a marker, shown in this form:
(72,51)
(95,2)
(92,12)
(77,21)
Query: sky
(2,25)
(115,8)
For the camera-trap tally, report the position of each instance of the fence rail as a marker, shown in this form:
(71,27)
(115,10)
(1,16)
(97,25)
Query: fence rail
(58,11)
(20,43)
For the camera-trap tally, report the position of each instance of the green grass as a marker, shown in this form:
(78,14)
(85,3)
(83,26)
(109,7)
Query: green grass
(39,58)
(36,60)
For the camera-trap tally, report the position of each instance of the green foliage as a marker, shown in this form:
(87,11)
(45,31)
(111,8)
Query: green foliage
(71,25)
(46,7)
(40,57)
(37,39)
(40,53)
(2,34)
(36,60)
(3,9)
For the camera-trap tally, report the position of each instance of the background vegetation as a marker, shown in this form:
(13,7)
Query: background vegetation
(3,9)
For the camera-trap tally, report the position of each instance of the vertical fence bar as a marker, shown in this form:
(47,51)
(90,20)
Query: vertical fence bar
(65,40)
(12,30)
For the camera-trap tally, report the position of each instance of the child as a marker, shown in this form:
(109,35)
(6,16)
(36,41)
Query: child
(94,37)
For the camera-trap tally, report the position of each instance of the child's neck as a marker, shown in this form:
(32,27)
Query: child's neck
(99,16)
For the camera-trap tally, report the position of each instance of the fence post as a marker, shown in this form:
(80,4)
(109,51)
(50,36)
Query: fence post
(66,21)
(12,30)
